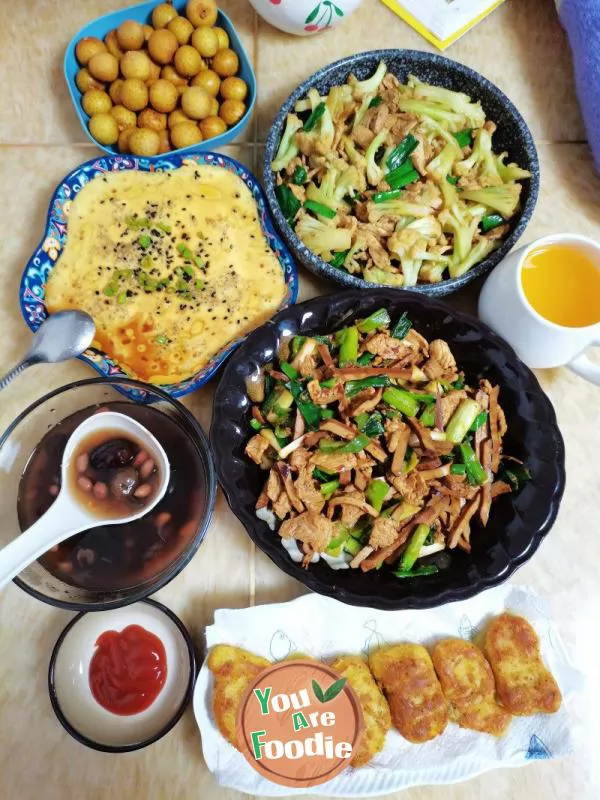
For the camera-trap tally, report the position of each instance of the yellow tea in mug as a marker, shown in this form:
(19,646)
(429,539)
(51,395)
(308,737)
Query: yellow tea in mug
(562,283)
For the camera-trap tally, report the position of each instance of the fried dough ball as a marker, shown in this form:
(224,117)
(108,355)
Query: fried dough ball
(149,118)
(96,101)
(134,94)
(188,61)
(162,15)
(234,89)
(177,116)
(85,82)
(209,80)
(144,142)
(104,128)
(135,64)
(104,67)
(185,134)
(88,47)
(196,102)
(182,28)
(125,118)
(222,37)
(202,13)
(154,73)
(114,91)
(162,46)
(214,109)
(163,96)
(212,126)
(169,73)
(206,41)
(123,142)
(232,111)
(130,35)
(148,31)
(165,143)
(226,63)
(112,43)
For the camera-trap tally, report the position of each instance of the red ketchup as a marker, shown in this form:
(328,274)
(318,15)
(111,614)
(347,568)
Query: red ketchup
(128,670)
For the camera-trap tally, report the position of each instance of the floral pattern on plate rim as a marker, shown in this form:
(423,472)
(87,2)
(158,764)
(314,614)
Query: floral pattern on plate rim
(33,281)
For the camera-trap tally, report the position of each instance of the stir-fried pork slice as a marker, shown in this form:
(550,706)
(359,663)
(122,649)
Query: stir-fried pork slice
(338,428)
(362,478)
(274,486)
(461,525)
(355,499)
(322,395)
(365,401)
(500,487)
(360,556)
(350,515)
(312,529)
(333,462)
(299,457)
(458,486)
(412,488)
(431,447)
(387,347)
(363,136)
(441,362)
(449,403)
(400,438)
(383,533)
(282,506)
(285,474)
(256,448)
(357,373)
(309,494)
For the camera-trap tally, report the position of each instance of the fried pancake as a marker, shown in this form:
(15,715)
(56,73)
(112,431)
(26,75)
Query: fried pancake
(523,683)
(468,685)
(406,675)
(233,669)
(374,707)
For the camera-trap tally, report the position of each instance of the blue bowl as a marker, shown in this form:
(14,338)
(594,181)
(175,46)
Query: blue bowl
(141,13)
(33,282)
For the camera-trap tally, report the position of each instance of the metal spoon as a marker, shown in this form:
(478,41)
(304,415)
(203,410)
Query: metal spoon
(61,336)
(67,515)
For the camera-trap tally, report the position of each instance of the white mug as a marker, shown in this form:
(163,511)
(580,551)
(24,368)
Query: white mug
(537,341)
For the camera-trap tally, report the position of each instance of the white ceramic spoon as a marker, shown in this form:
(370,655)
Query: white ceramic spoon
(67,516)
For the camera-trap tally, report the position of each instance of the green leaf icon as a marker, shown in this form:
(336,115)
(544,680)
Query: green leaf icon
(329,694)
(318,692)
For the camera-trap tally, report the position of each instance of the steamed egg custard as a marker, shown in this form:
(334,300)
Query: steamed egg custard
(172,266)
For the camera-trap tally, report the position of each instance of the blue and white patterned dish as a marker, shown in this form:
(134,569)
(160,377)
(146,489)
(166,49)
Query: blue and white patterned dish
(33,283)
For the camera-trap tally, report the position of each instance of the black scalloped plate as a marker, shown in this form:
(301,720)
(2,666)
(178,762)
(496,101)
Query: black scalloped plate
(517,523)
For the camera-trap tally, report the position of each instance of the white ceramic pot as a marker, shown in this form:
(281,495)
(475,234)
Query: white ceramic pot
(304,17)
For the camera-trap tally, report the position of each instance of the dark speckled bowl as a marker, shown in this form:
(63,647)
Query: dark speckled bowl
(512,135)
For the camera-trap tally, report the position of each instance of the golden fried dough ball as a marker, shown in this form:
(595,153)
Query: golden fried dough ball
(188,61)
(87,47)
(148,31)
(154,73)
(162,15)
(177,116)
(144,142)
(185,134)
(130,35)
(209,80)
(232,111)
(114,91)
(234,89)
(222,37)
(112,44)
(225,63)
(85,82)
(196,102)
(104,128)
(214,109)
(163,96)
(104,67)
(136,64)
(202,13)
(149,118)
(182,28)
(134,94)
(206,41)
(162,46)
(125,118)
(165,143)
(169,73)
(211,127)
(123,142)
(96,101)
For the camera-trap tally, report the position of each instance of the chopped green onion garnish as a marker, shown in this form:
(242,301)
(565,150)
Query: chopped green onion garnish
(338,259)
(162,226)
(401,152)
(426,569)
(452,179)
(314,117)
(199,262)
(255,424)
(300,175)
(121,298)
(199,284)
(110,290)
(402,327)
(319,208)
(376,101)
(464,138)
(290,371)
(144,241)
(458,469)
(491,221)
(480,420)
(288,202)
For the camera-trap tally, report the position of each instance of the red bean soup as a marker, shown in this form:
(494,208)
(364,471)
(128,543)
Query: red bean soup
(115,477)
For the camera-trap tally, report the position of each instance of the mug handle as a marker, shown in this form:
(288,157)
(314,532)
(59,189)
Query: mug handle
(582,366)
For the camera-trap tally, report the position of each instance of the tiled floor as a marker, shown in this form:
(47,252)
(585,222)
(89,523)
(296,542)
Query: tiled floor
(521,48)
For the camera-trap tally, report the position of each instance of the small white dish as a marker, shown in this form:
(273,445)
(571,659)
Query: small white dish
(68,679)
(304,17)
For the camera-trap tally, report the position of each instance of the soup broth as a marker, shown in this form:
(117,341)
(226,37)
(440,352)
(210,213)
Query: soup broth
(562,283)
(113,557)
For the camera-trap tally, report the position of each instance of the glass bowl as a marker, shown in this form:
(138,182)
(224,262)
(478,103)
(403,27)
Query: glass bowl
(17,444)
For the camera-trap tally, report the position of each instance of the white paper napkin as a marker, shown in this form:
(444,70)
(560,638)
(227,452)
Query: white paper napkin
(323,628)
